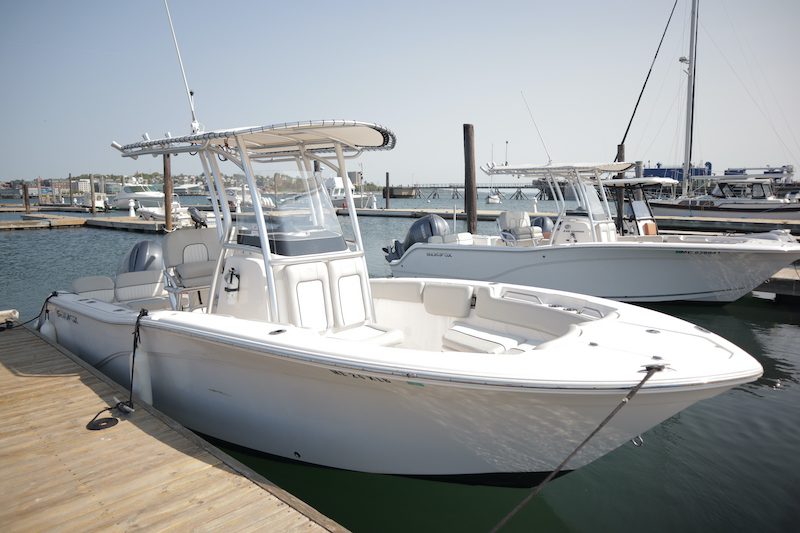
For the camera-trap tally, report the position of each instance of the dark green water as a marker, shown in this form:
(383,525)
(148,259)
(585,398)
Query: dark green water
(731,463)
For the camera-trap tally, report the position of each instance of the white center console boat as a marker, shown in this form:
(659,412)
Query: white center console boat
(267,332)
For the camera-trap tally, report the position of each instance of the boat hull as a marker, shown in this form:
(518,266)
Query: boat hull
(784,212)
(258,396)
(633,272)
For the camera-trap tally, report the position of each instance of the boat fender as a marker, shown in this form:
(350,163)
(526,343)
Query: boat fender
(47,329)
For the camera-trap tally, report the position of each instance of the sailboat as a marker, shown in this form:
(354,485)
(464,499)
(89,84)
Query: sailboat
(762,205)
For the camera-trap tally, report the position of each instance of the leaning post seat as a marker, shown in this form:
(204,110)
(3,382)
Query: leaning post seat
(190,257)
(96,287)
(141,290)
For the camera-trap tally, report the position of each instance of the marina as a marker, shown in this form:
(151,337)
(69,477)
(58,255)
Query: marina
(146,471)
(751,482)
(261,340)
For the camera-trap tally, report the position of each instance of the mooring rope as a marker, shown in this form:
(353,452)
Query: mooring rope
(651,369)
(9,324)
(122,406)
(136,340)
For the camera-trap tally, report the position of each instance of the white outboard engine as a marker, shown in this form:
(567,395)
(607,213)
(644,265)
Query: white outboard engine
(420,231)
(145,255)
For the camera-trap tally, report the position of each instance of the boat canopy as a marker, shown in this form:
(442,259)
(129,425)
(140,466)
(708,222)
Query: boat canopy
(624,182)
(556,169)
(275,143)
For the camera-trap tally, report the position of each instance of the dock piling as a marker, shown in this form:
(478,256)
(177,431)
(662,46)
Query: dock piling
(470,189)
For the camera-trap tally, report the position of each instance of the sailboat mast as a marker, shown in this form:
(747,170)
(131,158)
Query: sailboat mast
(687,155)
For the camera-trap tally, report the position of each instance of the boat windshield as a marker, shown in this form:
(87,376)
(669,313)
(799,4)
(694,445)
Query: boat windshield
(299,217)
(137,188)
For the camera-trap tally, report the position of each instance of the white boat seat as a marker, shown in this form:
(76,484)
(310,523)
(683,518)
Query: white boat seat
(552,322)
(196,274)
(462,337)
(190,256)
(372,334)
(406,290)
(348,283)
(523,236)
(304,295)
(95,287)
(511,220)
(447,300)
(141,290)
(458,238)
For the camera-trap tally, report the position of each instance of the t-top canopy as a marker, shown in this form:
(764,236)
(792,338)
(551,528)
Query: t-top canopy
(556,169)
(624,182)
(277,142)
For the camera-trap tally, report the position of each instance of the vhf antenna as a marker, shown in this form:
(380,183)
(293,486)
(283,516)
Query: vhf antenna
(549,159)
(189,93)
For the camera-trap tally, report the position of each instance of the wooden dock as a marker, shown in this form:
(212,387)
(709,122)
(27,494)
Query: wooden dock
(123,223)
(784,284)
(147,472)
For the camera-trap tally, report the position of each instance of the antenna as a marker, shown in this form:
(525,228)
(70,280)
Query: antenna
(549,159)
(189,93)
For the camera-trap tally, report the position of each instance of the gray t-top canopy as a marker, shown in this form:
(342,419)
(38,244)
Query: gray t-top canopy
(277,142)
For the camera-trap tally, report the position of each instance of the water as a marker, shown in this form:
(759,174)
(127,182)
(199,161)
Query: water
(731,463)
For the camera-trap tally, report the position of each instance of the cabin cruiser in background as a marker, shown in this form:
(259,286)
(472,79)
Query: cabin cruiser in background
(267,332)
(493,197)
(100,200)
(581,251)
(140,193)
(338,195)
(733,196)
(151,209)
(190,189)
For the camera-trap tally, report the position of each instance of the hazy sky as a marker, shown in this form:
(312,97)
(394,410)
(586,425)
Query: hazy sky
(77,75)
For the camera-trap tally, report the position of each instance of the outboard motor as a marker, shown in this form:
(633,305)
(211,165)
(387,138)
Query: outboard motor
(198,218)
(145,255)
(420,231)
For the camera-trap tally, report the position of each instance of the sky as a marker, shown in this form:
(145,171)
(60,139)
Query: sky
(78,75)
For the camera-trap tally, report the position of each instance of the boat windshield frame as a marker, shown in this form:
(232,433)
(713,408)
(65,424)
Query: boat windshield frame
(327,142)
(579,179)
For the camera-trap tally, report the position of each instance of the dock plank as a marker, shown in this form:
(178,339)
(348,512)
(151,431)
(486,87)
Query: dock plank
(145,472)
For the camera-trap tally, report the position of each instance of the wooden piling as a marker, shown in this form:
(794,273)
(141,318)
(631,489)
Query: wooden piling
(470,188)
(26,198)
(388,191)
(167,193)
(619,199)
(92,207)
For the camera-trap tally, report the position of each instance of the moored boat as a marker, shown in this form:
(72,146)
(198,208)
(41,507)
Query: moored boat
(268,333)
(583,251)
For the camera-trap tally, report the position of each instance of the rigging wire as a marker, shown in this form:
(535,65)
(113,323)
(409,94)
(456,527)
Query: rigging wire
(752,64)
(549,159)
(650,71)
(755,102)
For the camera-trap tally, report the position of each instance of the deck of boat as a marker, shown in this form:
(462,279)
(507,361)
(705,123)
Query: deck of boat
(146,472)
